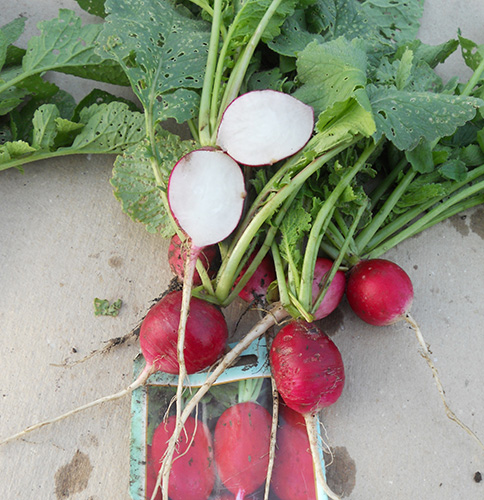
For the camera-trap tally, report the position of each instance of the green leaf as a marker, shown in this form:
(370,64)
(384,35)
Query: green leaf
(135,184)
(11,98)
(67,46)
(330,72)
(9,33)
(296,223)
(471,52)
(99,96)
(295,36)
(94,7)
(454,170)
(407,117)
(11,150)
(162,51)
(45,128)
(421,157)
(103,307)
(109,128)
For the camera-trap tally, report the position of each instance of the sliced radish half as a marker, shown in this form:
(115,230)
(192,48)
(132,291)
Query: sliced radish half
(206,193)
(264,126)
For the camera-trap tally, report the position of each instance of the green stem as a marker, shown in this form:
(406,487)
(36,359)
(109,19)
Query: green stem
(394,226)
(369,231)
(238,73)
(204,132)
(228,269)
(339,259)
(423,222)
(385,183)
(314,238)
(473,79)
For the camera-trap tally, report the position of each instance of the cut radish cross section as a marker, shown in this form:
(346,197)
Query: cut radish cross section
(206,193)
(264,126)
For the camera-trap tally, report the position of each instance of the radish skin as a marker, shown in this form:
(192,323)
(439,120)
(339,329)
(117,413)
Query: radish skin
(309,373)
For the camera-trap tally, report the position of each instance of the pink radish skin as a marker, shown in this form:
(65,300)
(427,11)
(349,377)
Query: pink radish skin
(205,340)
(335,291)
(309,374)
(293,475)
(258,284)
(177,255)
(379,291)
(241,441)
(192,475)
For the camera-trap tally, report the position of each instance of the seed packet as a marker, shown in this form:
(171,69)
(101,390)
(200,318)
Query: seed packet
(223,451)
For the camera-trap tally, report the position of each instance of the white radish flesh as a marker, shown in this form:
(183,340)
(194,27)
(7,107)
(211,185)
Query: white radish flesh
(264,126)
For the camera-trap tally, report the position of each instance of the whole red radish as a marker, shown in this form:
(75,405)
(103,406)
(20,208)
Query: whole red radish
(335,291)
(293,475)
(205,338)
(309,374)
(192,475)
(177,255)
(307,367)
(379,291)
(241,444)
(258,284)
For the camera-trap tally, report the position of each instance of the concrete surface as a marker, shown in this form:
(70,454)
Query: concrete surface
(65,241)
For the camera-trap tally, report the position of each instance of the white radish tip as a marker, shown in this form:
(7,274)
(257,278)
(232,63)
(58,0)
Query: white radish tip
(264,126)
(206,194)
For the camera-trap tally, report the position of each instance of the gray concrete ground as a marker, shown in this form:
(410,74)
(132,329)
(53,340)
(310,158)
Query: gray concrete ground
(65,241)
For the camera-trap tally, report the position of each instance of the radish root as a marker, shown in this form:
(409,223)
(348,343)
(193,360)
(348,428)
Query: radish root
(311,427)
(272,318)
(142,378)
(426,355)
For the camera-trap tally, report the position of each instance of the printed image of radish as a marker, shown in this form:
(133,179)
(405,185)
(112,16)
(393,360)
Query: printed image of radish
(335,291)
(192,475)
(150,482)
(380,293)
(309,374)
(241,447)
(206,334)
(177,256)
(258,284)
(264,126)
(293,475)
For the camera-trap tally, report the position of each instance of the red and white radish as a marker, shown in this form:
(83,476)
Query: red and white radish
(381,293)
(177,256)
(192,474)
(241,447)
(258,284)
(293,474)
(335,291)
(309,374)
(264,126)
(206,334)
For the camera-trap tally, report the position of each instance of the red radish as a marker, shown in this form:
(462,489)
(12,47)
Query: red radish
(293,475)
(241,441)
(150,477)
(379,291)
(335,291)
(177,255)
(258,284)
(264,126)
(192,475)
(309,374)
(205,336)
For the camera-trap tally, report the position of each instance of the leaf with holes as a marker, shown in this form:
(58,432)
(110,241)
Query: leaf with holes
(67,46)
(162,50)
(109,128)
(45,128)
(135,184)
(405,118)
